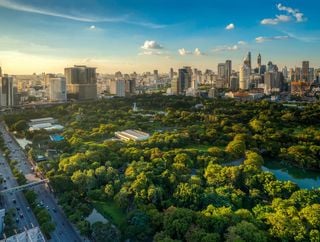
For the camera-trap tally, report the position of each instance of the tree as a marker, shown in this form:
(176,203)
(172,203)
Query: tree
(245,231)
(253,159)
(105,232)
(236,148)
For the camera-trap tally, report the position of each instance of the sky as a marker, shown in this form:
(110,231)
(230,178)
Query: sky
(142,35)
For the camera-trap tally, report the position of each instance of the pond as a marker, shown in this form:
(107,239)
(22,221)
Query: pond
(283,172)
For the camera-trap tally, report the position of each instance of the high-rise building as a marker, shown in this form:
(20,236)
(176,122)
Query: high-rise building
(273,81)
(259,61)
(175,86)
(247,60)
(130,87)
(305,71)
(118,87)
(311,77)
(221,70)
(7,95)
(297,74)
(155,75)
(171,73)
(183,80)
(81,82)
(0,71)
(228,71)
(244,76)
(57,89)
(234,83)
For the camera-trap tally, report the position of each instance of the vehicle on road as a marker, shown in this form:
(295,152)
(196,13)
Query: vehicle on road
(14,201)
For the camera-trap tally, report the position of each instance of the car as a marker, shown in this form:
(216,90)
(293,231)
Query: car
(18,209)
(5,187)
(17,219)
(28,208)
(47,207)
(54,210)
(21,215)
(14,201)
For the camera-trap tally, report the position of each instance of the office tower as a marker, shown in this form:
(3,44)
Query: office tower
(305,71)
(285,72)
(118,87)
(183,80)
(130,87)
(189,76)
(273,81)
(234,83)
(291,75)
(57,89)
(247,61)
(228,71)
(7,95)
(311,77)
(244,77)
(221,70)
(81,82)
(175,86)
(259,61)
(297,74)
(171,73)
(155,75)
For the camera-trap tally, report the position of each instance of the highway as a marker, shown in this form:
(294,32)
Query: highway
(64,231)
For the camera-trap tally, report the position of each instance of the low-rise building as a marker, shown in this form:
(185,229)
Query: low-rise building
(134,135)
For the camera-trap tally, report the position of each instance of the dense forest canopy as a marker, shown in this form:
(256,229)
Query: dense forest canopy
(177,186)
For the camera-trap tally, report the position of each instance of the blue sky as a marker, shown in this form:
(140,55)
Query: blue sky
(139,35)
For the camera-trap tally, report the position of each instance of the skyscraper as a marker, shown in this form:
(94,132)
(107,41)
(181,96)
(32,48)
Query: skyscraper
(81,82)
(259,61)
(183,80)
(155,75)
(171,73)
(221,70)
(247,60)
(7,95)
(118,87)
(57,89)
(228,71)
(305,71)
(244,76)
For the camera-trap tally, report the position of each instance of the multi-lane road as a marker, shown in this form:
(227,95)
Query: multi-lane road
(64,231)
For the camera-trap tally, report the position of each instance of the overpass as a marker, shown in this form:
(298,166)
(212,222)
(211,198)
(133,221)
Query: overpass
(25,186)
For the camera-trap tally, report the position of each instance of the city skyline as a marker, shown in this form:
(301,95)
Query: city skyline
(120,35)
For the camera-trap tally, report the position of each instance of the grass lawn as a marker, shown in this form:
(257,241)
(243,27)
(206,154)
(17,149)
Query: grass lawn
(111,211)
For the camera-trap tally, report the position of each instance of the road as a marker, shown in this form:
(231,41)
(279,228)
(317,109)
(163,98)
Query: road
(64,231)
(21,205)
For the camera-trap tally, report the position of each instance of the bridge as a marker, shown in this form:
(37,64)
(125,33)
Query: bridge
(25,186)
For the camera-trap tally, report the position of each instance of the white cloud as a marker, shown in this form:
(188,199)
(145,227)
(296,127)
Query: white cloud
(241,42)
(183,52)
(294,12)
(226,48)
(282,18)
(264,39)
(151,45)
(18,6)
(198,52)
(278,19)
(230,26)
